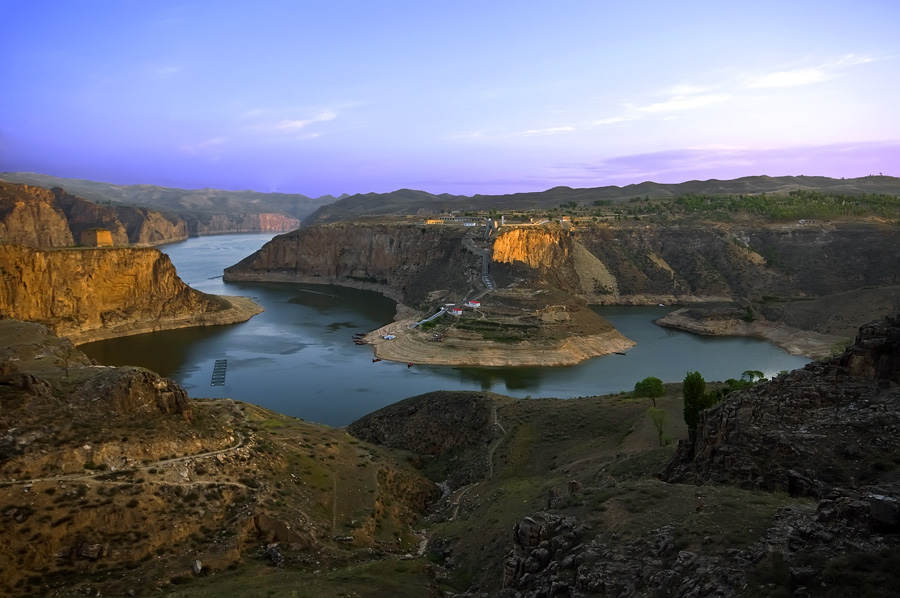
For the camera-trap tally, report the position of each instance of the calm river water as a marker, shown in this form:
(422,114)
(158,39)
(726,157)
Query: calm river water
(298,358)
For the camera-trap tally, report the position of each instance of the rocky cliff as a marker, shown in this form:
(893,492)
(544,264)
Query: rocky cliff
(31,216)
(458,444)
(53,218)
(205,211)
(780,435)
(405,262)
(89,294)
(616,263)
(632,263)
(240,222)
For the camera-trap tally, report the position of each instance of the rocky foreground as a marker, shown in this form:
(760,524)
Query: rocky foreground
(824,435)
(114,481)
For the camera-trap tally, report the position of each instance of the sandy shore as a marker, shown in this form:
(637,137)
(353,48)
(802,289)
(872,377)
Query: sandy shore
(793,340)
(242,309)
(419,347)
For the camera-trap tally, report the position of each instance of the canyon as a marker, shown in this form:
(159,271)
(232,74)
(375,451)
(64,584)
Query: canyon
(41,217)
(193,211)
(743,278)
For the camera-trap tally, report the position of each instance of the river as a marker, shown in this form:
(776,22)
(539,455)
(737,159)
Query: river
(298,357)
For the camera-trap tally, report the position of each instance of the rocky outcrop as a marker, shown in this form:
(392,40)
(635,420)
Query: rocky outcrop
(134,392)
(31,216)
(453,427)
(207,211)
(53,218)
(404,262)
(242,222)
(90,294)
(829,425)
(608,263)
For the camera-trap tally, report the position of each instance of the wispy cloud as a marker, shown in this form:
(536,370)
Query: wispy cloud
(294,125)
(547,131)
(792,78)
(265,123)
(683,102)
(806,75)
(211,148)
(612,120)
(836,160)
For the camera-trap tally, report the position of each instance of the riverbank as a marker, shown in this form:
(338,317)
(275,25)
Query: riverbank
(241,309)
(795,341)
(413,345)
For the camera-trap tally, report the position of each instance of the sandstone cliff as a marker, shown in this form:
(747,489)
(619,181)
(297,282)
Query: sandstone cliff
(203,211)
(632,263)
(623,263)
(90,294)
(53,218)
(239,222)
(404,262)
(31,216)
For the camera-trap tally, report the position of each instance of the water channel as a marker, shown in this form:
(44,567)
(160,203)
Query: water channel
(298,358)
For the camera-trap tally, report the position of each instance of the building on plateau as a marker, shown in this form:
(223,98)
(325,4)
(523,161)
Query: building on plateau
(96,237)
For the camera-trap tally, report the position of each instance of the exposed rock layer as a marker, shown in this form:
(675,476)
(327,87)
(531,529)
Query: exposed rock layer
(403,262)
(779,435)
(624,264)
(53,218)
(90,294)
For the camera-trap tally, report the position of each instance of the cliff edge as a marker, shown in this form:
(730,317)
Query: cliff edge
(94,294)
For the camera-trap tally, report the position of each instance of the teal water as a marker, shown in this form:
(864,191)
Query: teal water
(298,357)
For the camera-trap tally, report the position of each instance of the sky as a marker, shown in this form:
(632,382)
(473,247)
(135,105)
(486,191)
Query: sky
(448,97)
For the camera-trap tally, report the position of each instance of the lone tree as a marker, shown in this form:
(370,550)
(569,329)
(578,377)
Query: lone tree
(695,400)
(649,387)
(658,417)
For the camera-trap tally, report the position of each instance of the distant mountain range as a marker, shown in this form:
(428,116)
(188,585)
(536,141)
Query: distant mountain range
(198,206)
(409,201)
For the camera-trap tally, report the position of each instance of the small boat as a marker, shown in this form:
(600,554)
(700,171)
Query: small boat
(409,365)
(376,359)
(619,353)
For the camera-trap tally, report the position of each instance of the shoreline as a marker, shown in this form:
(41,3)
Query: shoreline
(812,345)
(415,346)
(241,310)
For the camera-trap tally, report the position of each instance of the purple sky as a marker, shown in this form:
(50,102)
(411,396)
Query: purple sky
(458,97)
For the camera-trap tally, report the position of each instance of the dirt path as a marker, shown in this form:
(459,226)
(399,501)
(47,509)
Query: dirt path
(490,457)
(144,466)
(459,497)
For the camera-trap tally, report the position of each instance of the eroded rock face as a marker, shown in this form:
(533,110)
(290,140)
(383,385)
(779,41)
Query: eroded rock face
(622,263)
(831,424)
(81,290)
(221,224)
(130,392)
(455,427)
(39,217)
(539,248)
(30,216)
(402,261)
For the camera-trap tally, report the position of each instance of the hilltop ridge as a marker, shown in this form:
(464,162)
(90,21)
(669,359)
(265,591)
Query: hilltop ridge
(410,202)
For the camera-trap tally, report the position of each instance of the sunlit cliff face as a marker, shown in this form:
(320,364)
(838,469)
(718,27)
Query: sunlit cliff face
(82,290)
(538,248)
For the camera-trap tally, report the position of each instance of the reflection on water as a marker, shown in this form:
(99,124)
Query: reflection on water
(510,379)
(298,356)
